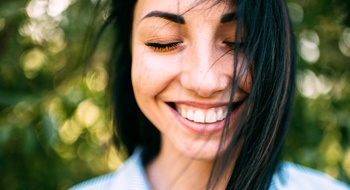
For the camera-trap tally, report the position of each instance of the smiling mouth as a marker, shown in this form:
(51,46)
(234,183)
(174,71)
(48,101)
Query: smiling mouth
(204,116)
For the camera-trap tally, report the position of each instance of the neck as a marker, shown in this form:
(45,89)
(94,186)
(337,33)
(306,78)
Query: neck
(172,170)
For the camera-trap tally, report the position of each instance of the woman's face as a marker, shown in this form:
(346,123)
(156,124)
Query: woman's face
(182,72)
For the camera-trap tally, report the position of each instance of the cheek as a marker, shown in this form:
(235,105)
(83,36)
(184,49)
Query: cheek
(246,84)
(246,80)
(152,74)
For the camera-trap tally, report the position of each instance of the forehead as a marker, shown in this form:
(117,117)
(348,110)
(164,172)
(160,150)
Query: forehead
(187,8)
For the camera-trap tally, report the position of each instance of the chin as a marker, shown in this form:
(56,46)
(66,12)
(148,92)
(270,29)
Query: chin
(204,149)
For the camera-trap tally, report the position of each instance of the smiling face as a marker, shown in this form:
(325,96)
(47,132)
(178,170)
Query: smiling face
(182,73)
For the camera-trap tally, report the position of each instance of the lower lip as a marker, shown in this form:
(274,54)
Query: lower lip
(204,128)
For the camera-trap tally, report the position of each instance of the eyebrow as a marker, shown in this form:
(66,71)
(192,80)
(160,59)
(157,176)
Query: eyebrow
(168,16)
(229,17)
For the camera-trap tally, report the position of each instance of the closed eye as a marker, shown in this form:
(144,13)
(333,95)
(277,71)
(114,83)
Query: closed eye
(235,45)
(162,46)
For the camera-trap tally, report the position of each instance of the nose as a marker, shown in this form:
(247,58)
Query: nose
(205,72)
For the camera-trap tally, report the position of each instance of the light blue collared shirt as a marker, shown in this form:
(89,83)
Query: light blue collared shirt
(131,176)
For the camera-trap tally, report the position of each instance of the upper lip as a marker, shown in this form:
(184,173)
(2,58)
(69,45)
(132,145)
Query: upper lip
(206,105)
(202,105)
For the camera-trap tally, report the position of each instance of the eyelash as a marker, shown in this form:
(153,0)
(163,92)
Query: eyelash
(173,45)
(234,45)
(163,47)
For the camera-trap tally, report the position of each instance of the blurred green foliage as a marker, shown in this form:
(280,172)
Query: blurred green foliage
(55,124)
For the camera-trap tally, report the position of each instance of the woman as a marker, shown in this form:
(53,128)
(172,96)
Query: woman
(203,94)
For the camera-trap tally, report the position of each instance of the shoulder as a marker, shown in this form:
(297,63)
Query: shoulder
(102,182)
(130,175)
(293,176)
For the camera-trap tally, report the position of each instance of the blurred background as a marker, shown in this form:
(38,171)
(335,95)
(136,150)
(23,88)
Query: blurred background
(55,123)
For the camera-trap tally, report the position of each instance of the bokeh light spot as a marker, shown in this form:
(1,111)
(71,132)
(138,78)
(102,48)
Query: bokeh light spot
(85,153)
(69,131)
(312,86)
(56,7)
(346,36)
(333,153)
(308,46)
(332,171)
(344,42)
(87,113)
(32,61)
(346,163)
(114,160)
(296,12)
(36,8)
(97,79)
(55,110)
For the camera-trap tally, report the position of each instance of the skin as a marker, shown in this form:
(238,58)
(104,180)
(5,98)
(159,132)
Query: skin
(195,70)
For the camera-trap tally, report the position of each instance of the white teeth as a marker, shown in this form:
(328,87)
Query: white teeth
(210,117)
(220,115)
(183,113)
(190,115)
(198,116)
